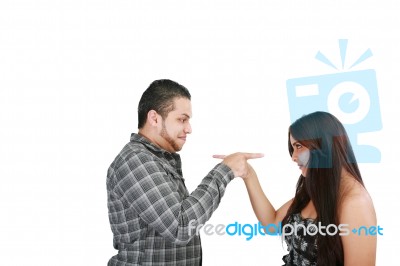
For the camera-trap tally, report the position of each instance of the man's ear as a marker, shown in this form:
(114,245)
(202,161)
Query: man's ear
(153,118)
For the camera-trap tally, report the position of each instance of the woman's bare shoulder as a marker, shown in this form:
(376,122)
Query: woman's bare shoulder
(356,201)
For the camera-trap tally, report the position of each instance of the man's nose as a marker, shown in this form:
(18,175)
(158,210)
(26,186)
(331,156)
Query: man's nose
(188,128)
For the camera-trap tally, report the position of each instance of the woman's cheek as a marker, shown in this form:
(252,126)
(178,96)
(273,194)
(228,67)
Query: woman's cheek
(304,157)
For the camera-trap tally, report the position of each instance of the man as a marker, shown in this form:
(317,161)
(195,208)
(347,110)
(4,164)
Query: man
(149,205)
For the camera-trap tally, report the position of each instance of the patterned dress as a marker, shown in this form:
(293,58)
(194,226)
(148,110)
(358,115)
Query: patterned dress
(302,242)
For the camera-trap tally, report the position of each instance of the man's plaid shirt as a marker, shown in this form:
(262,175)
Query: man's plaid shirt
(150,208)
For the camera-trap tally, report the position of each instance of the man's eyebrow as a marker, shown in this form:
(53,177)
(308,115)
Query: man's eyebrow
(184,114)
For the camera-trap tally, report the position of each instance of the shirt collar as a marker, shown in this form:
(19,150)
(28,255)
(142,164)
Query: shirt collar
(150,145)
(173,158)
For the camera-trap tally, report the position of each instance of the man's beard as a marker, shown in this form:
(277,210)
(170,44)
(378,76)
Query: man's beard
(168,138)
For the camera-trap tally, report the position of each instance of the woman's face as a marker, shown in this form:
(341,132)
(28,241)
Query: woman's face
(301,155)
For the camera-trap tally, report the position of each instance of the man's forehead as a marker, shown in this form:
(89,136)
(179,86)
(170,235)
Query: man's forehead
(182,106)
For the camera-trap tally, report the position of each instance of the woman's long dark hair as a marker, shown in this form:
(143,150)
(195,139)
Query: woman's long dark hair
(330,152)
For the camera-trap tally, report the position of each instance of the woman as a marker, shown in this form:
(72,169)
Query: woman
(330,192)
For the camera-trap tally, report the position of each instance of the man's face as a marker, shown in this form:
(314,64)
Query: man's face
(176,126)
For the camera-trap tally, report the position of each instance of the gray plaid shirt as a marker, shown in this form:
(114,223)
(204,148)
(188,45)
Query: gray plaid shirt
(149,207)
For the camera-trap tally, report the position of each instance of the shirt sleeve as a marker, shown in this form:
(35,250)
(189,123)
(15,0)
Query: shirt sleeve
(144,185)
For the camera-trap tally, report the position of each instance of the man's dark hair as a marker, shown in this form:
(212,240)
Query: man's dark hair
(159,97)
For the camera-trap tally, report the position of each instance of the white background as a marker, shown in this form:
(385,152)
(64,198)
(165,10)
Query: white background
(72,73)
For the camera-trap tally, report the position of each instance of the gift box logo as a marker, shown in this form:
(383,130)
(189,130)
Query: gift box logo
(351,96)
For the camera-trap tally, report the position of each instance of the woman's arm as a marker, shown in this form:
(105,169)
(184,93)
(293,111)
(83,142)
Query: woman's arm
(359,246)
(262,207)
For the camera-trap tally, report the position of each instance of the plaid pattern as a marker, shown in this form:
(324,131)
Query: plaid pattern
(149,207)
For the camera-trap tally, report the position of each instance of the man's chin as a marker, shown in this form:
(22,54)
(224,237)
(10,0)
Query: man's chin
(178,148)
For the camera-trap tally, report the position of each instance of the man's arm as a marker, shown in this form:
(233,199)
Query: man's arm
(146,187)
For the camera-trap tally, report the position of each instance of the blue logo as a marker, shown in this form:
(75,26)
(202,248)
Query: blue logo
(251,230)
(351,96)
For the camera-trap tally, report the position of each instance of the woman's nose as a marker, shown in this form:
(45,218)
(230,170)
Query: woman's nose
(294,157)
